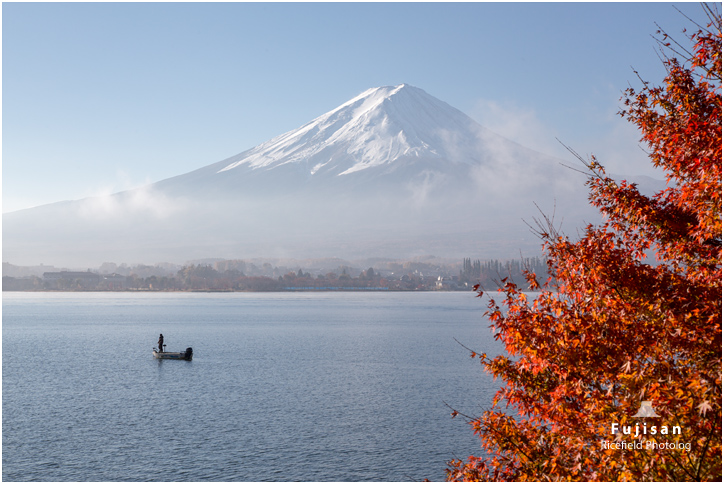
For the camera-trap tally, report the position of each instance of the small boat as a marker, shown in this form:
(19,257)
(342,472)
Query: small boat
(169,355)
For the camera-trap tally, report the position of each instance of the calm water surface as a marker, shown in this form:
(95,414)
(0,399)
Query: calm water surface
(311,387)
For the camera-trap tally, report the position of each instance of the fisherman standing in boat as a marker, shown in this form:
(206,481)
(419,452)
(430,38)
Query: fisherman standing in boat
(160,343)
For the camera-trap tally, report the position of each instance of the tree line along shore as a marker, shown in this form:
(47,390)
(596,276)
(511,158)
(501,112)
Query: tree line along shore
(244,276)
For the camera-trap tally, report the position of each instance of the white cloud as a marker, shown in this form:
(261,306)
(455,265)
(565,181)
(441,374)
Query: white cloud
(602,132)
(123,199)
(522,125)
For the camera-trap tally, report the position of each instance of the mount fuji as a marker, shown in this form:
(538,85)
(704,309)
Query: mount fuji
(393,172)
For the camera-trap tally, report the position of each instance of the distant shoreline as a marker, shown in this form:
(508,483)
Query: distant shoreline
(198,291)
(246,276)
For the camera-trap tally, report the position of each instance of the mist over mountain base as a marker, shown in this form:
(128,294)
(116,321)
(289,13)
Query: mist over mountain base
(90,232)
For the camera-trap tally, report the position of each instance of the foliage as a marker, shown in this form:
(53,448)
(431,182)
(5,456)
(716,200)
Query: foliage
(615,328)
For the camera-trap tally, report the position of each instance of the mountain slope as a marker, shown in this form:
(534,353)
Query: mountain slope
(376,128)
(391,134)
(392,172)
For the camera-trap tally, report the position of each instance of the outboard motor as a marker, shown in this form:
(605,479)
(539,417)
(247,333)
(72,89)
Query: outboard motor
(189,353)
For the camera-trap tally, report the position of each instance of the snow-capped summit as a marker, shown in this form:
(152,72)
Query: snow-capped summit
(376,128)
(393,134)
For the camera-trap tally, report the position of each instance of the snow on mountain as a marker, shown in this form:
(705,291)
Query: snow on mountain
(375,128)
(392,172)
(398,132)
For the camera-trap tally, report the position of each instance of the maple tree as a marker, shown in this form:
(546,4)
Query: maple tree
(631,313)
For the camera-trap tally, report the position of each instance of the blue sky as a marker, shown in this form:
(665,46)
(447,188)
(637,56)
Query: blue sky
(101,97)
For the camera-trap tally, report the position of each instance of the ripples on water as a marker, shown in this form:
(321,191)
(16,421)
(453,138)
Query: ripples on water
(283,387)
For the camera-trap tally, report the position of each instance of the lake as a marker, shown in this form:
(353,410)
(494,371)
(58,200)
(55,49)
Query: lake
(282,386)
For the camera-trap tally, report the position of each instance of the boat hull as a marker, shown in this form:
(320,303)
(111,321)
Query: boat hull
(170,355)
